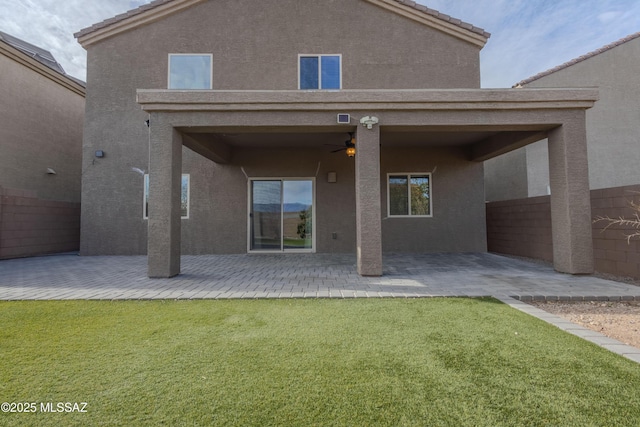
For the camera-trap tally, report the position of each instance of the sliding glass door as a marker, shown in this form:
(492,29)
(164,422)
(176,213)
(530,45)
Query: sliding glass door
(281,215)
(265,216)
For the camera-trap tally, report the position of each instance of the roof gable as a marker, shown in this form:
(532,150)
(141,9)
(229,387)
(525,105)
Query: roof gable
(577,60)
(158,9)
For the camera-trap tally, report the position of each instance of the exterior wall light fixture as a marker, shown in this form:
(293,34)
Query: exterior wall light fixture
(369,121)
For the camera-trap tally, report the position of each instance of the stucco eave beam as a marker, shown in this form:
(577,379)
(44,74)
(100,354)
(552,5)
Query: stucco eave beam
(207,147)
(351,106)
(502,143)
(375,100)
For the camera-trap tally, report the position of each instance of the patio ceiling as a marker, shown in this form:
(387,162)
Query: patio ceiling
(476,140)
(318,138)
(488,122)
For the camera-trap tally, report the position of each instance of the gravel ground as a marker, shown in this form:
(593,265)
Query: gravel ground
(618,320)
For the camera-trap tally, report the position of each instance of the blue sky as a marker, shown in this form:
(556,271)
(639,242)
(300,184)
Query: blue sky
(527,36)
(530,36)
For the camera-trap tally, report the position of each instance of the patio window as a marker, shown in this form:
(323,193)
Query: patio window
(319,72)
(184,197)
(190,71)
(409,195)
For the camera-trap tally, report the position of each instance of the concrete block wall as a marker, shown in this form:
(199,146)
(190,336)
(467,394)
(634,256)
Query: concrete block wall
(32,226)
(612,253)
(522,227)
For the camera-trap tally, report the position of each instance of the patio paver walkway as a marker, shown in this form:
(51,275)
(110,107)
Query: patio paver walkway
(299,275)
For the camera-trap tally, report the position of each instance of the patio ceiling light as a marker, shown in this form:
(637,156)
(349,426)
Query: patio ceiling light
(351,151)
(349,146)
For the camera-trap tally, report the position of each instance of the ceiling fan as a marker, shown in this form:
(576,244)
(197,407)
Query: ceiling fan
(349,146)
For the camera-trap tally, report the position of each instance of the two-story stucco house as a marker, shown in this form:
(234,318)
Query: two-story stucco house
(41,120)
(345,126)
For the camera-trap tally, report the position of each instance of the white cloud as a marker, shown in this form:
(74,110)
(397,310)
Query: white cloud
(608,17)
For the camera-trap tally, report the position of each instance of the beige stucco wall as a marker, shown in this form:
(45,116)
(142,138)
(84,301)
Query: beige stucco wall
(255,45)
(41,118)
(506,176)
(40,127)
(218,213)
(613,127)
(458,223)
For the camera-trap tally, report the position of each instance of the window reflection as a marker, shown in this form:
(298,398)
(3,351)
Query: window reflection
(189,71)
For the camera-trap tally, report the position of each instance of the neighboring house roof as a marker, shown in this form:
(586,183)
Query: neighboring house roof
(158,9)
(577,60)
(43,56)
(35,57)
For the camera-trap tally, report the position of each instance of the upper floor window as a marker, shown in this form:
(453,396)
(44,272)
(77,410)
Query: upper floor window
(409,194)
(190,71)
(320,72)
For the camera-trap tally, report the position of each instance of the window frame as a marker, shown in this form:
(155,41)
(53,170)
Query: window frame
(319,56)
(409,175)
(170,55)
(145,195)
(250,182)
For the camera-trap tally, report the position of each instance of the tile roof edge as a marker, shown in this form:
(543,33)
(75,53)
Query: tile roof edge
(577,60)
(133,12)
(436,14)
(156,3)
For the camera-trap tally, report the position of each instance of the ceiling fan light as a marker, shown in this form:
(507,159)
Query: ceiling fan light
(351,151)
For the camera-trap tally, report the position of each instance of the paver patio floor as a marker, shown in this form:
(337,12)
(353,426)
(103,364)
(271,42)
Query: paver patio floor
(299,275)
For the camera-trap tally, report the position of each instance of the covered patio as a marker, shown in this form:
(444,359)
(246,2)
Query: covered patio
(300,276)
(483,123)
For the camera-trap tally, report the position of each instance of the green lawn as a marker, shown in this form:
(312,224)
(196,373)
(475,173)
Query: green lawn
(433,362)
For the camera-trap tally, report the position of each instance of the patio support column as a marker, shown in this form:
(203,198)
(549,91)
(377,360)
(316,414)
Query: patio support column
(570,197)
(165,182)
(368,210)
